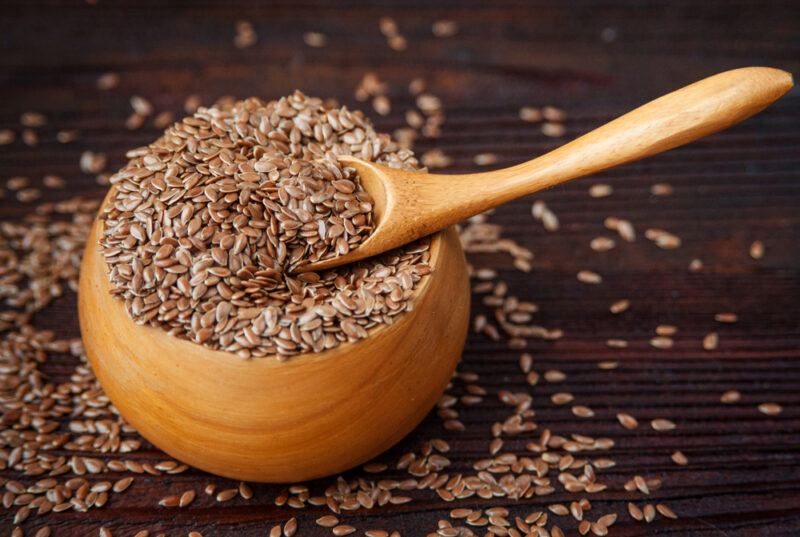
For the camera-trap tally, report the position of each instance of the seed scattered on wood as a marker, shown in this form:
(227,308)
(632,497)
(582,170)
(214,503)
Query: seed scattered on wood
(696,265)
(187,498)
(343,529)
(107,81)
(757,250)
(582,411)
(665,511)
(627,421)
(726,317)
(620,306)
(600,190)
(445,28)
(92,162)
(227,494)
(290,528)
(530,114)
(608,364)
(561,398)
(7,136)
(679,458)
(616,343)
(588,276)
(710,341)
(553,130)
(315,39)
(485,159)
(770,409)
(661,189)
(327,521)
(602,244)
(661,424)
(105,532)
(245,36)
(730,396)
(662,342)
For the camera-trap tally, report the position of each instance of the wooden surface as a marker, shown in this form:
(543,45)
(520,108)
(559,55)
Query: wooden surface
(596,60)
(280,422)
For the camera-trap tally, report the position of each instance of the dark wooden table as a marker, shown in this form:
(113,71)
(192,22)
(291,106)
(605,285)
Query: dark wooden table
(594,59)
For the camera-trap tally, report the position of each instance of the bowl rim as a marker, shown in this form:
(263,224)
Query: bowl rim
(271,360)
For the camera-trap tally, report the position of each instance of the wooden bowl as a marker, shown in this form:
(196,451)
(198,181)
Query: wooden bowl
(263,420)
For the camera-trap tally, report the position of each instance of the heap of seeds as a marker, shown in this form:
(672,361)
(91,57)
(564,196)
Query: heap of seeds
(205,224)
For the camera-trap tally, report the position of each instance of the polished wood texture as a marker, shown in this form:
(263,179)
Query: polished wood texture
(410,205)
(596,60)
(265,420)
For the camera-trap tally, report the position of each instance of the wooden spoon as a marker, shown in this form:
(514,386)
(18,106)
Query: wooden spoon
(409,205)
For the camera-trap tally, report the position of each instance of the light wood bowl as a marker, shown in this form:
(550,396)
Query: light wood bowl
(263,420)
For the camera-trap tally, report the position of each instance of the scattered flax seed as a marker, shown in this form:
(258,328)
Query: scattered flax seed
(163,119)
(661,424)
(726,317)
(620,306)
(770,409)
(169,501)
(588,276)
(227,494)
(382,105)
(582,411)
(602,244)
(315,39)
(43,532)
(416,86)
(343,529)
(661,342)
(661,189)
(7,136)
(649,513)
(141,106)
(623,227)
(105,532)
(710,341)
(665,511)
(436,158)
(627,421)
(65,137)
(53,181)
(600,190)
(696,265)
(666,330)
(757,250)
(551,113)
(555,376)
(107,81)
(195,534)
(290,528)
(616,343)
(730,396)
(245,35)
(186,498)
(608,364)
(28,195)
(30,138)
(531,114)
(525,362)
(679,458)
(92,162)
(327,521)
(485,159)
(445,28)
(561,398)
(635,512)
(192,103)
(32,119)
(553,130)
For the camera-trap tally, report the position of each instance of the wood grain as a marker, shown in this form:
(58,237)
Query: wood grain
(743,476)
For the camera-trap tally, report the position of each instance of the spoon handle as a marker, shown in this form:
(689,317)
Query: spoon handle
(680,117)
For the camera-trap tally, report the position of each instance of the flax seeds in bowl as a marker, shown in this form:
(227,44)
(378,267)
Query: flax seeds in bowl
(197,240)
(205,225)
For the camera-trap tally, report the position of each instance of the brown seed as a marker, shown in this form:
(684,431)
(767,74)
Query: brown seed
(627,421)
(582,411)
(662,424)
(290,528)
(730,396)
(770,409)
(602,244)
(726,317)
(662,342)
(530,114)
(608,364)
(710,341)
(107,81)
(587,276)
(561,398)
(187,498)
(245,491)
(227,494)
(665,511)
(343,529)
(445,28)
(649,513)
(44,531)
(600,190)
(105,532)
(661,189)
(315,39)
(635,512)
(485,159)
(757,250)
(679,458)
(695,265)
(327,521)
(620,306)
